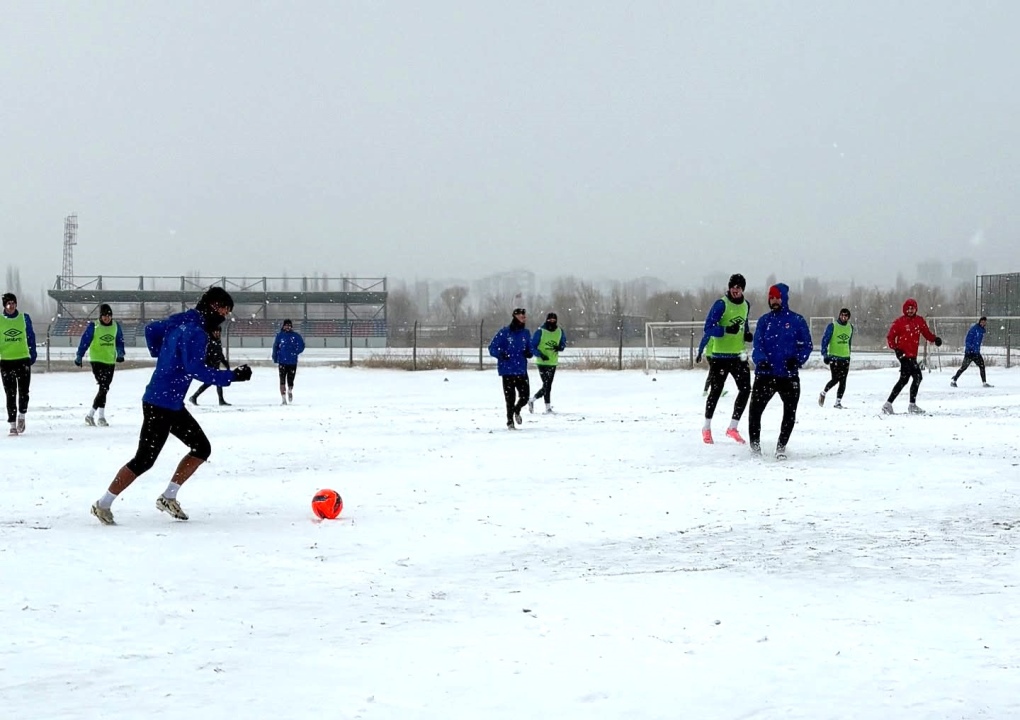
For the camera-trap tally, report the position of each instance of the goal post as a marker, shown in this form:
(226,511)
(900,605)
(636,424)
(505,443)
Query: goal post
(671,345)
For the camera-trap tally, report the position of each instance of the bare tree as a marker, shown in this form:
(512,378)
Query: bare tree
(591,303)
(453,300)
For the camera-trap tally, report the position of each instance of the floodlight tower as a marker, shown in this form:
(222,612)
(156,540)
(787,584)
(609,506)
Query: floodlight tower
(70,240)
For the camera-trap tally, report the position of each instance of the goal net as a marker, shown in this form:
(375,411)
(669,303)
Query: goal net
(671,345)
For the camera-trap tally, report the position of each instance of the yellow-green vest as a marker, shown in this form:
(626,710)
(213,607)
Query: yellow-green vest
(14,337)
(548,345)
(104,343)
(839,342)
(731,343)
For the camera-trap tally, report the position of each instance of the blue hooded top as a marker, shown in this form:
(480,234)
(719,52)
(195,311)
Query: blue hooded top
(782,340)
(511,347)
(975,336)
(287,346)
(179,343)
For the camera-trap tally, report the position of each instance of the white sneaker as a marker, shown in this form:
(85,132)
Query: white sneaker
(987,385)
(290,397)
(531,405)
(101,422)
(821,399)
(14,429)
(548,408)
(105,515)
(780,452)
(171,507)
(21,424)
(283,400)
(952,383)
(90,421)
(838,405)
(518,419)
(914,410)
(888,409)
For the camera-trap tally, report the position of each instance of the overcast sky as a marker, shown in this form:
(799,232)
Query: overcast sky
(445,139)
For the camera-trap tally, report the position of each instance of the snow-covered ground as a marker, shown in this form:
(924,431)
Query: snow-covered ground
(600,563)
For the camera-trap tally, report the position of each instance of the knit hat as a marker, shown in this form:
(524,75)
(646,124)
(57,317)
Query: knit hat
(737,280)
(551,316)
(775,293)
(288,323)
(105,309)
(215,296)
(520,311)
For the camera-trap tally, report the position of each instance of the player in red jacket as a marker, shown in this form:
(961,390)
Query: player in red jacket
(903,338)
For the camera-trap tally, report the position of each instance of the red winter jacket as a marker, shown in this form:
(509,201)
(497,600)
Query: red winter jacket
(905,332)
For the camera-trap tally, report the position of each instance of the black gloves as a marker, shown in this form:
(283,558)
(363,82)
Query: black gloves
(542,355)
(120,358)
(899,354)
(242,373)
(77,361)
(792,365)
(561,348)
(826,359)
(938,341)
(698,359)
(748,336)
(528,354)
(733,328)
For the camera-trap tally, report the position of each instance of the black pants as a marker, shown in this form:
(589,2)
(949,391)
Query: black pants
(206,386)
(969,358)
(287,373)
(17,377)
(516,391)
(103,374)
(765,386)
(547,373)
(839,368)
(157,425)
(909,370)
(720,368)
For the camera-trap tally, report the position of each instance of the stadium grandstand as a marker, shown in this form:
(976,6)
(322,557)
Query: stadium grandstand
(328,312)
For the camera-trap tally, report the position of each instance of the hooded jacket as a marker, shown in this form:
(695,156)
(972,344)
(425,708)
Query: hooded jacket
(975,336)
(511,346)
(905,332)
(179,343)
(287,346)
(782,340)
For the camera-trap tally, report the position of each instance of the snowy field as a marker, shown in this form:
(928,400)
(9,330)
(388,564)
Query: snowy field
(600,563)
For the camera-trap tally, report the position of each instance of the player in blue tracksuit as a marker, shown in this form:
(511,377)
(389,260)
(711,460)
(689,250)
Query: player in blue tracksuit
(782,343)
(179,344)
(287,345)
(511,346)
(972,351)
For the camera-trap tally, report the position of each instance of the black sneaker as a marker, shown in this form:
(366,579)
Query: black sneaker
(193,400)
(511,426)
(780,452)
(224,402)
(755,448)
(518,419)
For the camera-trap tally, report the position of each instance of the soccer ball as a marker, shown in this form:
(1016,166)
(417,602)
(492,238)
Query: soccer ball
(327,504)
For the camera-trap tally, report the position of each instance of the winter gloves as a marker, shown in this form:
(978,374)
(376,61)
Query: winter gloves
(242,373)
(77,361)
(938,341)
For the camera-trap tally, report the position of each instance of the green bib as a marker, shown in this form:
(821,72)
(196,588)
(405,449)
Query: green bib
(14,338)
(104,343)
(839,343)
(548,345)
(731,343)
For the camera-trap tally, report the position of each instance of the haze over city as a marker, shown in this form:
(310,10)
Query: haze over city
(845,141)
